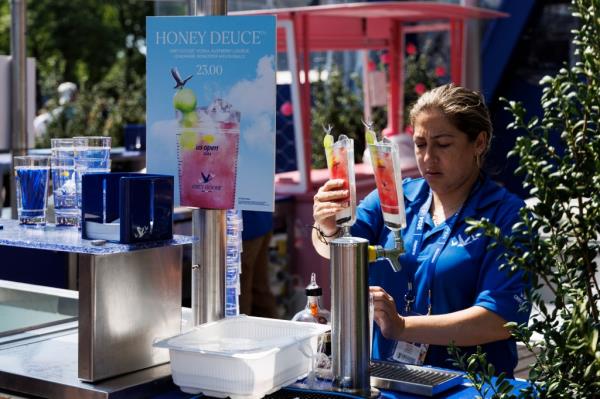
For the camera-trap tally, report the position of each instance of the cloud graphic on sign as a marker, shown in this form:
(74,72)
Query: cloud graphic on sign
(248,97)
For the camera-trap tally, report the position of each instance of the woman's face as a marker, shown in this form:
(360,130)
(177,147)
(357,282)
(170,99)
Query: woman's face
(445,156)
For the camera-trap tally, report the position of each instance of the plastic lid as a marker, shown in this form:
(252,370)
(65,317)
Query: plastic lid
(313,289)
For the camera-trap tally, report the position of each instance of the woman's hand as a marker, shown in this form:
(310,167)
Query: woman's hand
(385,314)
(329,200)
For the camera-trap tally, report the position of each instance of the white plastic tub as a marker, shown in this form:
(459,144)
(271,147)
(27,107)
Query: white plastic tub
(242,357)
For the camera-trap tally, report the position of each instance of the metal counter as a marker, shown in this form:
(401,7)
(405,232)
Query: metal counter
(129,296)
(43,359)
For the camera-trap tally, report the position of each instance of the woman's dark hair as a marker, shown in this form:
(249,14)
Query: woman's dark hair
(464,108)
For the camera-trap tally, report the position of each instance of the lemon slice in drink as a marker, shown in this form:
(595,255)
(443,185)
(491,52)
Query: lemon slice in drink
(370,137)
(208,138)
(328,144)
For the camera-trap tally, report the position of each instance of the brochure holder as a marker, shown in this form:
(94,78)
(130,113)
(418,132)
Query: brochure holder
(127,207)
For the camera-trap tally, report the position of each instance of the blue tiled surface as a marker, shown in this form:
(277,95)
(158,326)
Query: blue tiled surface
(68,239)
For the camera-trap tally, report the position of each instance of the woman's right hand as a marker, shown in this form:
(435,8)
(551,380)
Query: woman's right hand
(331,198)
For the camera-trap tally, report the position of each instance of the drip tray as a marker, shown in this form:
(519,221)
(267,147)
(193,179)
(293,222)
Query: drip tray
(412,379)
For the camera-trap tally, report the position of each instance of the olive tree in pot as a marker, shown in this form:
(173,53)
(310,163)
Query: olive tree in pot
(557,241)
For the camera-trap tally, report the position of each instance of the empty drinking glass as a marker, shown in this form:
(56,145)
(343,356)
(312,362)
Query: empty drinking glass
(31,175)
(92,155)
(62,148)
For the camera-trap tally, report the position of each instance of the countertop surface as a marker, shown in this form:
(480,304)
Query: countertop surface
(68,239)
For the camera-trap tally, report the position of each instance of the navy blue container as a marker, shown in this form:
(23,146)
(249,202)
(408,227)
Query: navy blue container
(135,137)
(127,207)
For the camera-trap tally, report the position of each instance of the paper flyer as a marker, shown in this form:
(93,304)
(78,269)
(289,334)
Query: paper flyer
(210,109)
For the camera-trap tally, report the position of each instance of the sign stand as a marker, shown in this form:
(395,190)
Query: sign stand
(208,254)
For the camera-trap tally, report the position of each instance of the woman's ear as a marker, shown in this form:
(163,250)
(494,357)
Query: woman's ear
(481,142)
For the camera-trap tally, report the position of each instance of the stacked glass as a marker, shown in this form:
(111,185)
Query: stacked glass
(91,155)
(233,262)
(72,158)
(31,176)
(66,210)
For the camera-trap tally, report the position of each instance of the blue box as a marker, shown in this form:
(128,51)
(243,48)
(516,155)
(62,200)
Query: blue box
(127,207)
(135,137)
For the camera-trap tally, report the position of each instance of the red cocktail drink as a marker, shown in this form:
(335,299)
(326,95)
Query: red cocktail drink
(341,166)
(389,184)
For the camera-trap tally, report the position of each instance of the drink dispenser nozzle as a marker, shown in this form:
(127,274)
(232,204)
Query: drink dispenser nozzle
(377,252)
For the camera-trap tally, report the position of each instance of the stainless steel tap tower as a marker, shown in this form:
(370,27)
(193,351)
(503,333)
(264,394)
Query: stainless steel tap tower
(208,255)
(350,348)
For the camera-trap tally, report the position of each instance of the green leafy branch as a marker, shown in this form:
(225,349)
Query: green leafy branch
(556,243)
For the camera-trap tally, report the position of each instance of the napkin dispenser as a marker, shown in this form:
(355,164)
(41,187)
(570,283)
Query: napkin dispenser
(127,207)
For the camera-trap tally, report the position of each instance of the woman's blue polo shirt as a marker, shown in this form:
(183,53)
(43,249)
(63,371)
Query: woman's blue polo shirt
(465,274)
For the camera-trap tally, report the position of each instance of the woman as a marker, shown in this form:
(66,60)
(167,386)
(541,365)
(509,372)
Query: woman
(449,289)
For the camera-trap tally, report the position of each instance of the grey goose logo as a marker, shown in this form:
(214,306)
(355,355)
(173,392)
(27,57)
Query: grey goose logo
(463,241)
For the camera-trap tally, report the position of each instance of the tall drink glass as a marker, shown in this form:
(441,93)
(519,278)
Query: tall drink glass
(62,148)
(31,175)
(388,179)
(64,189)
(340,161)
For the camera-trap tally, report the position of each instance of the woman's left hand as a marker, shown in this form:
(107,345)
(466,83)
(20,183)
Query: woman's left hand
(385,314)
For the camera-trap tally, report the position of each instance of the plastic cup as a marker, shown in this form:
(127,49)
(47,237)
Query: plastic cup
(31,175)
(64,190)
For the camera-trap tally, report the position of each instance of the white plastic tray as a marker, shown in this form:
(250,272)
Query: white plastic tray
(242,357)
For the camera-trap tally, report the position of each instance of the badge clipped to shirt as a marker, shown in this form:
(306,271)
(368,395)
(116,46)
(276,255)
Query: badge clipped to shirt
(411,353)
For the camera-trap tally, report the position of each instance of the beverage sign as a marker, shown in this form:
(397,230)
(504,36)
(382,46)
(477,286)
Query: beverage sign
(210,84)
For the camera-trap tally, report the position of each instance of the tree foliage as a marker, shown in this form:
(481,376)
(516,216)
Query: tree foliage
(557,239)
(337,105)
(96,44)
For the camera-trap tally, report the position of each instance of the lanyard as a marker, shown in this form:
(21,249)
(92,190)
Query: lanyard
(438,246)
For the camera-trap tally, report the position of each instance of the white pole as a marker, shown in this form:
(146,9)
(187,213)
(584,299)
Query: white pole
(472,50)
(18,89)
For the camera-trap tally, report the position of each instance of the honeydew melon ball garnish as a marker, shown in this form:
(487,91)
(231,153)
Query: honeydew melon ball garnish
(189,119)
(188,139)
(185,100)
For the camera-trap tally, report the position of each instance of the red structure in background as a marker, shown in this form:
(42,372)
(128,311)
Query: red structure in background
(344,27)
(369,26)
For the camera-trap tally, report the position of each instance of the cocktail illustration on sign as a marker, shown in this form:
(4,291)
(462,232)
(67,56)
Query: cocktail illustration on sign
(208,142)
(340,162)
